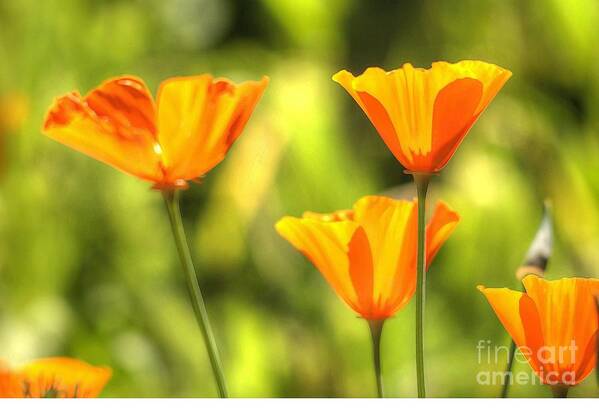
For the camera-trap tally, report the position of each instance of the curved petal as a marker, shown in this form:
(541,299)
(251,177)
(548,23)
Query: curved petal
(64,378)
(438,230)
(9,383)
(453,116)
(440,227)
(199,118)
(361,272)
(113,124)
(568,313)
(326,245)
(385,222)
(376,113)
(400,104)
(518,314)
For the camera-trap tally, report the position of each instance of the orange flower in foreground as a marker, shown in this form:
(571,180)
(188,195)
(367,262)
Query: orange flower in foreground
(185,134)
(554,323)
(424,114)
(368,254)
(57,377)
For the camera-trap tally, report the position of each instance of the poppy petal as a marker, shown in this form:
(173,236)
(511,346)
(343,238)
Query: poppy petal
(453,115)
(440,227)
(66,377)
(326,245)
(113,124)
(199,118)
(518,314)
(361,271)
(385,222)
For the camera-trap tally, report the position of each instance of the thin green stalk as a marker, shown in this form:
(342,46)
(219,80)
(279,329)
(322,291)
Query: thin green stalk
(508,370)
(171,199)
(421,180)
(376,328)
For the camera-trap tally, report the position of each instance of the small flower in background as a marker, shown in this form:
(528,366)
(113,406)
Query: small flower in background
(368,255)
(424,114)
(56,377)
(182,136)
(554,323)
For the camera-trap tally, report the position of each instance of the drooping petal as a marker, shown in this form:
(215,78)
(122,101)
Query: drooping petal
(63,377)
(199,118)
(114,124)
(518,314)
(326,245)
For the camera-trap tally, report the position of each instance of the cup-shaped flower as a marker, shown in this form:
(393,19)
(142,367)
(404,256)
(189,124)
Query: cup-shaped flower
(424,114)
(554,324)
(56,377)
(368,254)
(182,136)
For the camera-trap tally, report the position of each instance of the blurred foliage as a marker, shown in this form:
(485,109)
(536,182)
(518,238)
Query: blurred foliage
(87,265)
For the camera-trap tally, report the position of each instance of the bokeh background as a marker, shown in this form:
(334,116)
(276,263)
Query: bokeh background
(87,265)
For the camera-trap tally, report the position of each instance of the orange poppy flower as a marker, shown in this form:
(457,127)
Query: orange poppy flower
(56,377)
(181,137)
(554,323)
(368,254)
(424,114)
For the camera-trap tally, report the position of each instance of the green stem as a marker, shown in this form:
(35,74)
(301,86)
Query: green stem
(171,199)
(421,180)
(508,370)
(560,391)
(376,328)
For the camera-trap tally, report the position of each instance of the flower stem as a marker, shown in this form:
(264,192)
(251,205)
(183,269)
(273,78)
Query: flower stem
(376,328)
(508,370)
(171,199)
(421,180)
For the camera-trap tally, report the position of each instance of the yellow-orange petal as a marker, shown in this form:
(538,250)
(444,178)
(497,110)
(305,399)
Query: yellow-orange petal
(361,273)
(199,118)
(326,245)
(401,105)
(454,113)
(567,313)
(385,222)
(9,383)
(63,377)
(441,225)
(114,124)
(518,314)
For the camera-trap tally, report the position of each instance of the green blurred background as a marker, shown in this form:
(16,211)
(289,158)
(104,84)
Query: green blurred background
(87,265)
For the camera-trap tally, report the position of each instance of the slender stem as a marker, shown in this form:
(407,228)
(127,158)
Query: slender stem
(376,328)
(560,391)
(421,181)
(508,370)
(171,199)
